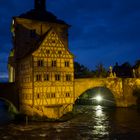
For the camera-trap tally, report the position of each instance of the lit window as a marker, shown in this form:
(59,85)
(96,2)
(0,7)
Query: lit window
(68,77)
(40,63)
(38,77)
(57,77)
(46,77)
(66,63)
(54,63)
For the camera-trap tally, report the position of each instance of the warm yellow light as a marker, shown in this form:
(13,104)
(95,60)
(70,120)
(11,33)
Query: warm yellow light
(98,98)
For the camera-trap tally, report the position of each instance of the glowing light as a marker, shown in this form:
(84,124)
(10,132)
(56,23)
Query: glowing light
(98,98)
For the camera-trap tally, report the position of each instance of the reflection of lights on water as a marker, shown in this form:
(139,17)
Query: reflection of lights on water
(100,126)
(98,107)
(98,111)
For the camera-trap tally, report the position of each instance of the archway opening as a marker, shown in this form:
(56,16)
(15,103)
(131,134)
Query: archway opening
(7,111)
(97,96)
(8,106)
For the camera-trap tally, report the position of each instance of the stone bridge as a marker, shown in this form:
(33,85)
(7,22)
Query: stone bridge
(122,89)
(9,93)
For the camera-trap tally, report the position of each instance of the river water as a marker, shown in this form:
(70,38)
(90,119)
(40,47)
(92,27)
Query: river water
(91,123)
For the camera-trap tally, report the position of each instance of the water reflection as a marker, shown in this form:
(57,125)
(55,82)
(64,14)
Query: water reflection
(98,111)
(91,123)
(101,123)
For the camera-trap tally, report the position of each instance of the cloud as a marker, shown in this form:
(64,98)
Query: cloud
(107,27)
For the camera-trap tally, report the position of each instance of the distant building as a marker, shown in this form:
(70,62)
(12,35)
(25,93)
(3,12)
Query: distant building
(41,64)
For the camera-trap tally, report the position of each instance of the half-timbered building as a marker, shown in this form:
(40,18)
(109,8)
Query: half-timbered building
(41,63)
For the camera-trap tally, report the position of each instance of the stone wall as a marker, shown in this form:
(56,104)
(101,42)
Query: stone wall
(122,89)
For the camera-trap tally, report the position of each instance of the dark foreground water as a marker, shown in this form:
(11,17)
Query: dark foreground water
(93,123)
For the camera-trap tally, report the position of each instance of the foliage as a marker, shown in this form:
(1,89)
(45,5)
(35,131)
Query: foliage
(82,71)
(124,70)
(137,64)
(100,71)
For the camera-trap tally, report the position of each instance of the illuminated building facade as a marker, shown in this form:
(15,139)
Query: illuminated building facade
(41,64)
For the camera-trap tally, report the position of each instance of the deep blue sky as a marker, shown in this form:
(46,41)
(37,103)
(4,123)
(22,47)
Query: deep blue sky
(103,31)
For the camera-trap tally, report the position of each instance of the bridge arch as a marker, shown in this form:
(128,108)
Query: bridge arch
(115,85)
(9,94)
(11,107)
(90,95)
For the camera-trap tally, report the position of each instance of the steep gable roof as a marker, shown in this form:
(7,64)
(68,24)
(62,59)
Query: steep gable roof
(47,35)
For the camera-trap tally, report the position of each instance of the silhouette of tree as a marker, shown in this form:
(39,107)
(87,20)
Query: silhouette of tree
(124,71)
(80,71)
(100,71)
(137,64)
(116,69)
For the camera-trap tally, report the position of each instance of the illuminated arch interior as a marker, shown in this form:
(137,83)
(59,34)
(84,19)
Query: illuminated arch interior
(97,95)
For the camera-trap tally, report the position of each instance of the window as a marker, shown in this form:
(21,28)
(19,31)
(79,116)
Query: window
(57,77)
(54,63)
(59,52)
(38,96)
(38,77)
(46,77)
(66,63)
(48,95)
(67,94)
(48,51)
(53,41)
(52,95)
(68,77)
(40,63)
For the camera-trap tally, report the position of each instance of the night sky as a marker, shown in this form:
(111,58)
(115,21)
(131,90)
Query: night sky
(103,31)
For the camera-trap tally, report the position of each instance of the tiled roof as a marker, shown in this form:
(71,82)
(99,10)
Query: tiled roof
(30,50)
(41,15)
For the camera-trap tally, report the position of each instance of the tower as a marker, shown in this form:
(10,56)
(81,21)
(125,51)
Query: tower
(40,4)
(43,64)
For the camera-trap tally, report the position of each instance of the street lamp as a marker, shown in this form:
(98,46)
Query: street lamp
(98,98)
